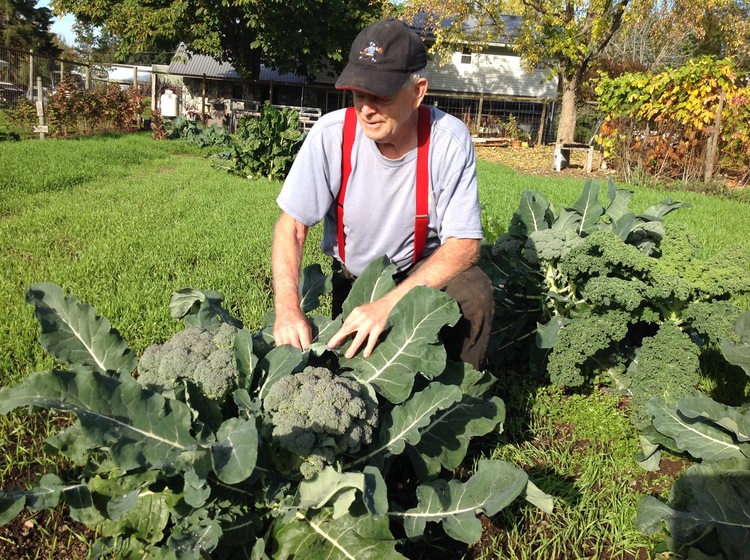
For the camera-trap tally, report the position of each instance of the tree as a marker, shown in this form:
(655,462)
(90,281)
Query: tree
(24,26)
(566,35)
(293,35)
(673,31)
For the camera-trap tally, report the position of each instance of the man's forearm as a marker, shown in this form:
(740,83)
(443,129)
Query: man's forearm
(451,259)
(286,258)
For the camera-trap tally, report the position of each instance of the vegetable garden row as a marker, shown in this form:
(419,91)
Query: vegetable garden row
(227,446)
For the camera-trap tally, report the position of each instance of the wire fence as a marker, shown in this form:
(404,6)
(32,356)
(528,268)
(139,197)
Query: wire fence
(22,73)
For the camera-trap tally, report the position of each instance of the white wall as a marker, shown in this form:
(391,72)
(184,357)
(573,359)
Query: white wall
(490,73)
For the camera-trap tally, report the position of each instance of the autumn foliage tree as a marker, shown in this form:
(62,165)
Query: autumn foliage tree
(294,35)
(678,123)
(566,35)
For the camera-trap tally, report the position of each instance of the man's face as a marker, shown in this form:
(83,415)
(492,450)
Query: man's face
(392,119)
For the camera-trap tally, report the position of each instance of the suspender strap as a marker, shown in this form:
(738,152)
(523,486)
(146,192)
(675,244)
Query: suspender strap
(350,131)
(421,217)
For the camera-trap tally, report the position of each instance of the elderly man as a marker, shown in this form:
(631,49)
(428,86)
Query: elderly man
(388,177)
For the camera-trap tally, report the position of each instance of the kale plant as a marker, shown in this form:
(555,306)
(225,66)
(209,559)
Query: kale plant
(157,478)
(609,295)
(706,514)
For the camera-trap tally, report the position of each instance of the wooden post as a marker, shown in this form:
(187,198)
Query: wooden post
(479,112)
(135,76)
(713,141)
(540,132)
(203,101)
(42,128)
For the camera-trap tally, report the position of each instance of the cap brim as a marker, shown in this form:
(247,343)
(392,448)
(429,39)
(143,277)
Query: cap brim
(370,80)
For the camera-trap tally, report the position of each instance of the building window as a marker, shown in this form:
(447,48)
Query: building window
(466,56)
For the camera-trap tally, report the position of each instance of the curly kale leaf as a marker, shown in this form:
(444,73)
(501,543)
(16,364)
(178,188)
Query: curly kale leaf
(666,365)
(582,344)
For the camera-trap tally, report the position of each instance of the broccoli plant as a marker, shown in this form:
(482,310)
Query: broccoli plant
(610,295)
(300,461)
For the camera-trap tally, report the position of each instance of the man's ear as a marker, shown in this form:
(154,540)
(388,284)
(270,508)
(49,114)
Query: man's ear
(420,89)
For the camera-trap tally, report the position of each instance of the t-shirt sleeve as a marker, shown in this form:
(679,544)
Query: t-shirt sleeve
(457,192)
(312,184)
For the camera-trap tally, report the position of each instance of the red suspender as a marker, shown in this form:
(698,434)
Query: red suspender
(350,131)
(421,217)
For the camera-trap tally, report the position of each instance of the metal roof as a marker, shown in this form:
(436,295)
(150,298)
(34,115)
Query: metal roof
(507,34)
(198,65)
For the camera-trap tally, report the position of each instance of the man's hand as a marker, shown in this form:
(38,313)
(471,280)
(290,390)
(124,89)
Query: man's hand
(368,322)
(292,327)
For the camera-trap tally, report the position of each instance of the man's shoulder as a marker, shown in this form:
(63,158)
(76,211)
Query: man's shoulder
(447,121)
(332,118)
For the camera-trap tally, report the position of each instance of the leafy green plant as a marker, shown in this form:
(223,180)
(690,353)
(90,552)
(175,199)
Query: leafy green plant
(159,478)
(611,295)
(707,507)
(267,145)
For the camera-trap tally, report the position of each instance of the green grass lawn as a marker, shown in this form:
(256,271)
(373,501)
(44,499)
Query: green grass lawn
(122,221)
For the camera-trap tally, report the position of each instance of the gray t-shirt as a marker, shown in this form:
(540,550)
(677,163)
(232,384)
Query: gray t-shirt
(381,195)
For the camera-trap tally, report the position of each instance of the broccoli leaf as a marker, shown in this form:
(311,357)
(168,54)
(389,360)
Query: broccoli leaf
(404,423)
(374,282)
(313,284)
(235,453)
(456,505)
(738,353)
(199,308)
(619,201)
(139,427)
(11,504)
(412,345)
(708,497)
(329,486)
(702,408)
(73,333)
(698,438)
(282,360)
(244,357)
(589,208)
(658,211)
(533,211)
(320,537)
(445,441)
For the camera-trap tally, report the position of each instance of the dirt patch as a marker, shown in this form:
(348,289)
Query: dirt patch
(537,161)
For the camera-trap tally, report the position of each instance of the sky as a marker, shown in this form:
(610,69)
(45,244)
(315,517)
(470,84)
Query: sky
(61,26)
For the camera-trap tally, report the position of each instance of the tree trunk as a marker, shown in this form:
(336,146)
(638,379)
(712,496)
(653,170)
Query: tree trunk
(567,125)
(713,142)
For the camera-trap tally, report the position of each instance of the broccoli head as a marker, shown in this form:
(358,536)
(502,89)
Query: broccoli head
(318,415)
(550,244)
(202,357)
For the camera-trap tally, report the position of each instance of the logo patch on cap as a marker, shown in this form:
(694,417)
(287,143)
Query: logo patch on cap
(371,51)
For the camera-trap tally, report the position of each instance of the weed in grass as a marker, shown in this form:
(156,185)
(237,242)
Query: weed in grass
(578,448)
